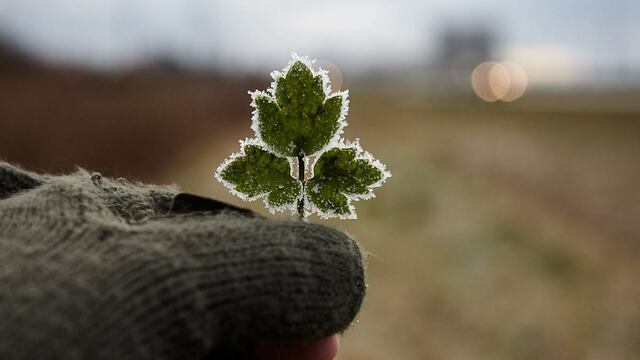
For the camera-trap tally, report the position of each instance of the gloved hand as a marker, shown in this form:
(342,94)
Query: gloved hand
(95,268)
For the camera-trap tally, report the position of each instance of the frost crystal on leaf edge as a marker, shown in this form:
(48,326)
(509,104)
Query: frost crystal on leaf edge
(361,154)
(271,94)
(232,188)
(335,142)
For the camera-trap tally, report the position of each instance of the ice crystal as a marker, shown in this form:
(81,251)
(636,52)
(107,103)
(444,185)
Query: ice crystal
(296,118)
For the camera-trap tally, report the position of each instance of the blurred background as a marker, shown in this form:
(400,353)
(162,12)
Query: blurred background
(511,226)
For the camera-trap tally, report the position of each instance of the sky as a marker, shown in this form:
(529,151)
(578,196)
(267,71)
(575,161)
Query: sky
(357,34)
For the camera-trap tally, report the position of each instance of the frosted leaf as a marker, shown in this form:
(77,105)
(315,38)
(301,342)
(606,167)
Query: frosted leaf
(343,174)
(299,114)
(299,119)
(254,173)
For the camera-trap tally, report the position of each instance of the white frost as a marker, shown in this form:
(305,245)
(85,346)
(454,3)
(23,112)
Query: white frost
(335,142)
(361,154)
(232,188)
(326,85)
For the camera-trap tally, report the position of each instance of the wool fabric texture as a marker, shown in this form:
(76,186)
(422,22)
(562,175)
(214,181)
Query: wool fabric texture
(100,268)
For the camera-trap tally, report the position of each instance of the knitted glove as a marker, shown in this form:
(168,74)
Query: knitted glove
(95,268)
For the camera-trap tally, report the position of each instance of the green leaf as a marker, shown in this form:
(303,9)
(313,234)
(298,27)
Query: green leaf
(255,173)
(342,175)
(299,119)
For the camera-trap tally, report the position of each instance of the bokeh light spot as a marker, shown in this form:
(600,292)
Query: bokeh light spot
(492,81)
(480,81)
(499,80)
(335,75)
(518,81)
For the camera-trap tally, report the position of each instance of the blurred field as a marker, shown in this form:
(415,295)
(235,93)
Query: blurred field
(119,124)
(506,231)
(509,231)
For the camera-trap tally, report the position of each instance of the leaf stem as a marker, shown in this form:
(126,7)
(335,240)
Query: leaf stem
(301,178)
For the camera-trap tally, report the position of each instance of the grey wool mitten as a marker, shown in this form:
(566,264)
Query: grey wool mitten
(97,268)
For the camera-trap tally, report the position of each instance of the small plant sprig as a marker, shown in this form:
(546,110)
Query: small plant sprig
(298,122)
